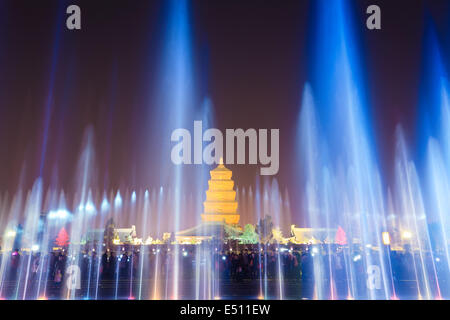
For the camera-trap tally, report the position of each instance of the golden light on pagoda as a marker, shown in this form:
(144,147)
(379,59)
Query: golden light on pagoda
(221,204)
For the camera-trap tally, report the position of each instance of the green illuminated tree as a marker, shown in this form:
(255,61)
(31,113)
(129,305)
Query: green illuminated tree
(249,236)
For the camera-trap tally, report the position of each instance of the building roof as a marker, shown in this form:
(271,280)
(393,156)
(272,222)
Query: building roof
(205,229)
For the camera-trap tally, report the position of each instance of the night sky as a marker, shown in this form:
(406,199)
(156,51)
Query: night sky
(250,58)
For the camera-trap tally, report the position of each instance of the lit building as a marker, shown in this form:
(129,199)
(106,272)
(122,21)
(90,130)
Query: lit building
(221,204)
(219,209)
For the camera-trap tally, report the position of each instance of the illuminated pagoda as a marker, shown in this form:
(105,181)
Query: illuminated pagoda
(219,209)
(221,204)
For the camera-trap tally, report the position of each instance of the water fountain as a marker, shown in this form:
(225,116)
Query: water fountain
(366,221)
(344,186)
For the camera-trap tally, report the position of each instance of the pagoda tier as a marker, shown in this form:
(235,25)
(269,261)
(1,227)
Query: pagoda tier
(221,204)
(220,185)
(220,195)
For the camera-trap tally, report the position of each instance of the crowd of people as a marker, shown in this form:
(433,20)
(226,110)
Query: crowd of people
(303,264)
